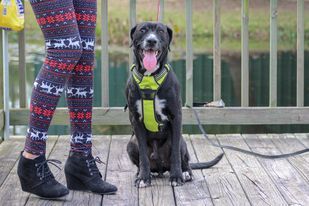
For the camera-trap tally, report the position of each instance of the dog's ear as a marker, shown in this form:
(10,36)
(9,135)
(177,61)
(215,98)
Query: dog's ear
(170,35)
(131,34)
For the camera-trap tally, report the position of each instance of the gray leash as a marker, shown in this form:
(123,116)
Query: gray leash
(243,150)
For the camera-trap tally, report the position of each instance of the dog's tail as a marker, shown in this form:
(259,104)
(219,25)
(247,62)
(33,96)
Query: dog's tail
(204,165)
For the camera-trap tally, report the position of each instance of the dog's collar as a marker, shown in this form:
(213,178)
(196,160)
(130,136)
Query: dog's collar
(159,77)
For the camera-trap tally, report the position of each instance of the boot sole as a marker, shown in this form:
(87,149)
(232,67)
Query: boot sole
(52,198)
(74,183)
(45,198)
(28,190)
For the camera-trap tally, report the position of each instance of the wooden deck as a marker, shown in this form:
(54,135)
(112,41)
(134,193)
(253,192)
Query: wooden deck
(237,180)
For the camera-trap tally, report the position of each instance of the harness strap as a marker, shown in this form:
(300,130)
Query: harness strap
(148,86)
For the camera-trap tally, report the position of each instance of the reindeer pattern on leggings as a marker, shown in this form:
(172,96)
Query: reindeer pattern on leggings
(48,88)
(71,43)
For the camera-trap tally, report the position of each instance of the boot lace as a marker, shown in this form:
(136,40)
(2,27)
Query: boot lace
(43,171)
(92,166)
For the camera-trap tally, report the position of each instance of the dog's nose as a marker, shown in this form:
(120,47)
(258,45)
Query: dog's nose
(151,41)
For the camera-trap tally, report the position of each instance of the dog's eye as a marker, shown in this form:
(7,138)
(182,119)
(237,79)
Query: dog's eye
(142,30)
(161,31)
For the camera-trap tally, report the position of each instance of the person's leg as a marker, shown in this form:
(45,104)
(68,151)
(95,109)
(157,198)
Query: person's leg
(80,168)
(80,84)
(57,21)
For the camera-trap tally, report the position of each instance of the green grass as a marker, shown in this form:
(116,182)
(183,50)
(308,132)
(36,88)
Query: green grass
(202,27)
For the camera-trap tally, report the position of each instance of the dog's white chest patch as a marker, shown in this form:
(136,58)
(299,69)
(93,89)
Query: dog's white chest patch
(139,108)
(159,106)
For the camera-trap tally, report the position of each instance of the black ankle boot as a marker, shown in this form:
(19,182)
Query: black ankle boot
(36,178)
(82,173)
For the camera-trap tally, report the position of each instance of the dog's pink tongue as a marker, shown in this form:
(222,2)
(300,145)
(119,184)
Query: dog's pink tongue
(150,60)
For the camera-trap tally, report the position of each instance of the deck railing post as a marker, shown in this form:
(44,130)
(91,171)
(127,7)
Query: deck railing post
(6,97)
(22,69)
(132,17)
(1,89)
(189,54)
(273,54)
(244,53)
(1,69)
(216,51)
(104,55)
(300,53)
(161,11)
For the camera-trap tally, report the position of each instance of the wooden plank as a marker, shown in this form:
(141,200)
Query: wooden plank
(289,143)
(161,11)
(160,193)
(195,192)
(22,69)
(212,116)
(132,18)
(10,191)
(6,96)
(289,182)
(245,53)
(60,152)
(189,54)
(303,138)
(223,184)
(121,172)
(300,54)
(104,55)
(258,185)
(9,153)
(216,51)
(273,54)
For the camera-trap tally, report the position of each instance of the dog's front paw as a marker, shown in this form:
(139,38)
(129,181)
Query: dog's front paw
(187,176)
(142,181)
(176,179)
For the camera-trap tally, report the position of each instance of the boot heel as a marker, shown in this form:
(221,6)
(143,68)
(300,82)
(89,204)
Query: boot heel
(23,183)
(73,183)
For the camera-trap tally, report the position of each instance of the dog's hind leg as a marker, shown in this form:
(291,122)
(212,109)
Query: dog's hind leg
(132,149)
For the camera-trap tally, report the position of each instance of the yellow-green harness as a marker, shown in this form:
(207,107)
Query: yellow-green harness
(148,86)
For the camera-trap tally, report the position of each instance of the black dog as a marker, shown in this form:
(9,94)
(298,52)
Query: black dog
(157,144)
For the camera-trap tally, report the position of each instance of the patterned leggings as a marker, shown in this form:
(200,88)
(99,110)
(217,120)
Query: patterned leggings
(68,27)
